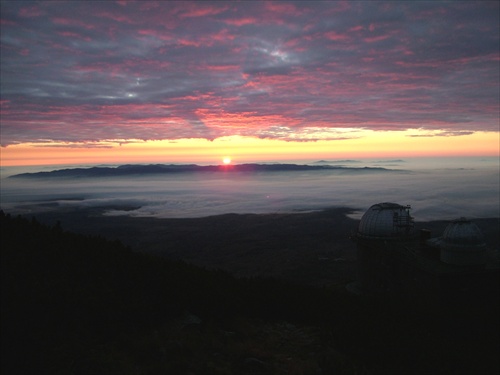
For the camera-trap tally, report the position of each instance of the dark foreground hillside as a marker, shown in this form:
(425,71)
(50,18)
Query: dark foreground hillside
(307,248)
(75,304)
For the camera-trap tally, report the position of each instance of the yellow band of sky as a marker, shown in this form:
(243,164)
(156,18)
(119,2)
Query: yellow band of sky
(358,144)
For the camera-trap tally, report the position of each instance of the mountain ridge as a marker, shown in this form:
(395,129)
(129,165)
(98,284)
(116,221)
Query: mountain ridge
(134,169)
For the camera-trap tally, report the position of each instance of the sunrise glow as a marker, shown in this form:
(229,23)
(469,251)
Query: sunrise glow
(246,149)
(109,82)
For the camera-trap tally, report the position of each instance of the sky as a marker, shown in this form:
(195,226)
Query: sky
(121,82)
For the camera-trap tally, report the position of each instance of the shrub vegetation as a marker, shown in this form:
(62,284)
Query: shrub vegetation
(75,304)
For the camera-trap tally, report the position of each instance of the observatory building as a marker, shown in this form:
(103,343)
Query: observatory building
(462,244)
(394,261)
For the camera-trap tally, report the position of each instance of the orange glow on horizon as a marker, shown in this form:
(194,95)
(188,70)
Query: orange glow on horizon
(363,144)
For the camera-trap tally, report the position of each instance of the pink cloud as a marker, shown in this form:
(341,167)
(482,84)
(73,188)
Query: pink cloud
(159,34)
(5,22)
(123,3)
(73,22)
(373,39)
(220,68)
(283,8)
(192,42)
(70,34)
(188,10)
(223,36)
(242,21)
(356,29)
(30,12)
(332,35)
(207,40)
(121,18)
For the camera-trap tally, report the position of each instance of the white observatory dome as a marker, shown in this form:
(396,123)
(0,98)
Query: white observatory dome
(385,220)
(462,243)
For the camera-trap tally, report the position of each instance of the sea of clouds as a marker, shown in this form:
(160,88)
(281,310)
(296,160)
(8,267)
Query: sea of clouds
(437,190)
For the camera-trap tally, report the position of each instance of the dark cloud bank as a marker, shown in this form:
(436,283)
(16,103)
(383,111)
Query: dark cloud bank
(90,71)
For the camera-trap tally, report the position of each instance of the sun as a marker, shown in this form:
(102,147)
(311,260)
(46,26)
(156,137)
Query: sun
(226,160)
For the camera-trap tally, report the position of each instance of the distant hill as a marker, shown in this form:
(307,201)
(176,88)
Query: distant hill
(136,169)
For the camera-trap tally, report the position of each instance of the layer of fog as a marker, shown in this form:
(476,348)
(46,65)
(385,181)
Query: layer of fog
(445,193)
